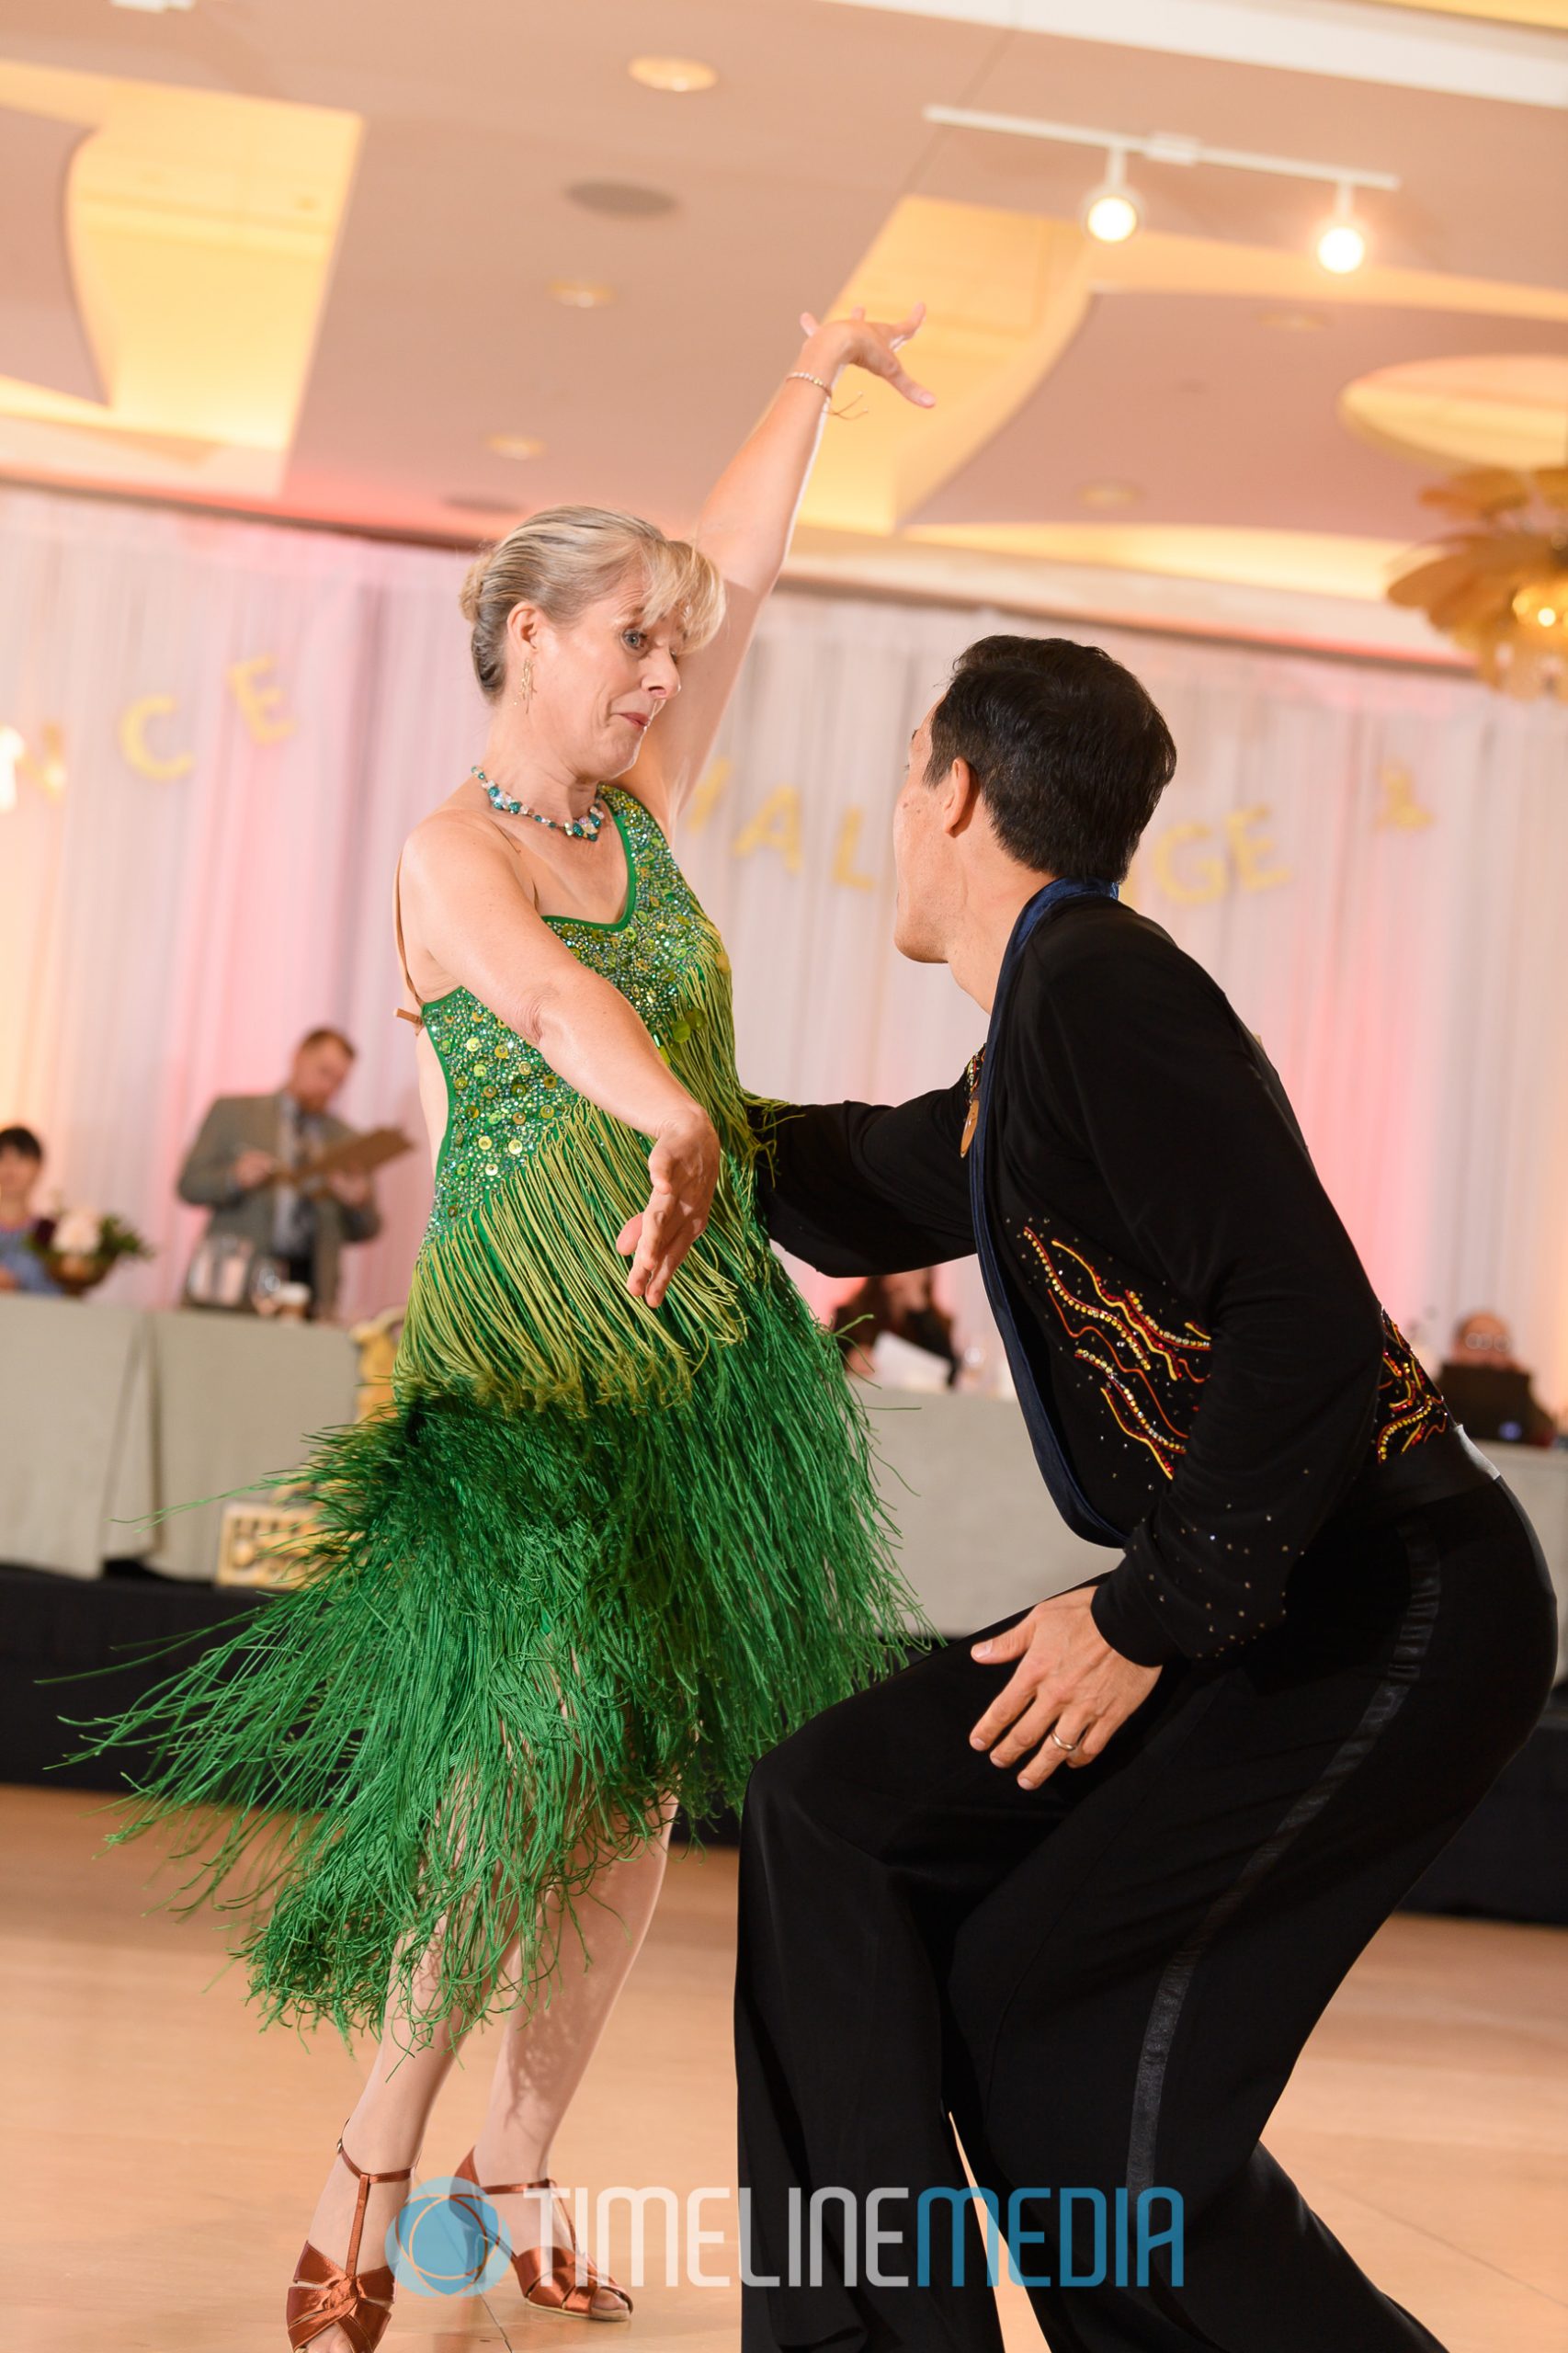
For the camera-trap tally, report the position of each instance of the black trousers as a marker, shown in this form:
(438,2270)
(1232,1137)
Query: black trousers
(1103,1983)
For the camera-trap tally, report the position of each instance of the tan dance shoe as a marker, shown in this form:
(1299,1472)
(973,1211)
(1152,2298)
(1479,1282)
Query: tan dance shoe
(324,2295)
(549,2276)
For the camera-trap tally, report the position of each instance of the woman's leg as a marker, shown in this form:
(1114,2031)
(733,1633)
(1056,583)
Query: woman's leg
(541,2061)
(387,2128)
(545,2054)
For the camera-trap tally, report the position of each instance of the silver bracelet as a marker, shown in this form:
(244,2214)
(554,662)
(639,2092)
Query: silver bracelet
(806,378)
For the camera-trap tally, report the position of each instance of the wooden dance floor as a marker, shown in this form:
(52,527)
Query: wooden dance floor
(164,2157)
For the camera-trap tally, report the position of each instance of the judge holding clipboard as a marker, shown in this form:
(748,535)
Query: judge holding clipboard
(287,1183)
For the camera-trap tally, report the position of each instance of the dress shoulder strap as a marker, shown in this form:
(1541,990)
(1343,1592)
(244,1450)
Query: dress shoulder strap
(649,850)
(403,1013)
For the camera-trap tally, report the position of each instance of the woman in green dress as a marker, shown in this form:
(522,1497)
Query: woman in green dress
(618,1535)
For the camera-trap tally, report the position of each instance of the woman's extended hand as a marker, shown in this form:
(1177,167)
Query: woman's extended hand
(860,342)
(683,1166)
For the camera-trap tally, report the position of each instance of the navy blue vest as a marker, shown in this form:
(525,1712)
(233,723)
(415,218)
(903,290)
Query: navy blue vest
(1014,1319)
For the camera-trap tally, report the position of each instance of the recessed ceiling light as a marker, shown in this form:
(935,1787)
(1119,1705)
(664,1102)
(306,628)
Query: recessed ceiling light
(513,445)
(623,199)
(1109,494)
(580,294)
(152,7)
(681,74)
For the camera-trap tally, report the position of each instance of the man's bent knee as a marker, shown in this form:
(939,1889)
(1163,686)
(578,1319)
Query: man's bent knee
(805,1778)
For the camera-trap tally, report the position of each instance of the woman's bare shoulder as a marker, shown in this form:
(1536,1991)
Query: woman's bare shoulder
(456,842)
(452,820)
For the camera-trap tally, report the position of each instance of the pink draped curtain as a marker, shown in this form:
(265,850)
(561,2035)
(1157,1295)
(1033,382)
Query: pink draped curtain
(250,718)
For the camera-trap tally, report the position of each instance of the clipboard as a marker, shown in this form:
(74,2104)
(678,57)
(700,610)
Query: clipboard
(354,1157)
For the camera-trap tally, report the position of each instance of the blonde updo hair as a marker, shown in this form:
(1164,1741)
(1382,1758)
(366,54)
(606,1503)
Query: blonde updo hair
(563,558)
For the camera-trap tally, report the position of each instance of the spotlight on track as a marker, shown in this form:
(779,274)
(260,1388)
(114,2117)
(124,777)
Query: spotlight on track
(1342,242)
(1111,213)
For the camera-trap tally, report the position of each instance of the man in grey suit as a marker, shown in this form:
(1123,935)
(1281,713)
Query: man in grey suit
(246,1139)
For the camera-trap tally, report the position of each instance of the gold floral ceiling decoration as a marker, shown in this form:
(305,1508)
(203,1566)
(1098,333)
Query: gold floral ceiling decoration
(1498,584)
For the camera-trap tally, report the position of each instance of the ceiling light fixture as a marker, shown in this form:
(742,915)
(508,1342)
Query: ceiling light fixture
(1543,605)
(1498,583)
(152,7)
(623,199)
(1341,244)
(1111,213)
(678,75)
(581,293)
(478,502)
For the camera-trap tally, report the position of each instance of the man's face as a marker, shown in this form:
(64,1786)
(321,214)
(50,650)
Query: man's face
(922,850)
(319,1070)
(1486,1340)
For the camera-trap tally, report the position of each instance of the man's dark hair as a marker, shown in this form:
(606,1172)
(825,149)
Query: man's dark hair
(1069,753)
(319,1037)
(21,1140)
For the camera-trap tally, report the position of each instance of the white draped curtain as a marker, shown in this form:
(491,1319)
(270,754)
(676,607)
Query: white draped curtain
(215,734)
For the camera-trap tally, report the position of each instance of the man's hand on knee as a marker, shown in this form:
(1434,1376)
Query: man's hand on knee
(1068,1694)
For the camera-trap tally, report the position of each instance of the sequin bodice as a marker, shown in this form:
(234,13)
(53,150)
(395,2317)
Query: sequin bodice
(504,1101)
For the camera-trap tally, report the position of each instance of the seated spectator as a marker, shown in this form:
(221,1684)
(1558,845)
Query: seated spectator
(239,1168)
(901,1304)
(1486,1390)
(21,1165)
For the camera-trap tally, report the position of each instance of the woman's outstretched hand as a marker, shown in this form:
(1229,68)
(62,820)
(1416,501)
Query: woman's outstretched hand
(684,1167)
(872,344)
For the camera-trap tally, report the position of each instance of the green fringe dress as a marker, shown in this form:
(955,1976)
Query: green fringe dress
(597,1554)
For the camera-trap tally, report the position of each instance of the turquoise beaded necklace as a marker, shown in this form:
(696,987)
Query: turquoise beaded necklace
(584,828)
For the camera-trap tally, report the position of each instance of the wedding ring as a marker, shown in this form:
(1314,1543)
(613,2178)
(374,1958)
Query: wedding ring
(1068,1745)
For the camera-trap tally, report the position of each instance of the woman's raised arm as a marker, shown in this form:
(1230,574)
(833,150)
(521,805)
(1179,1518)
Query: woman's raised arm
(473,917)
(745,526)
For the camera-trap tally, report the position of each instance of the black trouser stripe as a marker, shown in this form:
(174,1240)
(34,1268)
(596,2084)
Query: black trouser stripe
(1405,1660)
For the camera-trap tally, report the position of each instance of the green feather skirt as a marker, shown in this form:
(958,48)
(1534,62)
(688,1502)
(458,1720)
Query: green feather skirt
(596,1559)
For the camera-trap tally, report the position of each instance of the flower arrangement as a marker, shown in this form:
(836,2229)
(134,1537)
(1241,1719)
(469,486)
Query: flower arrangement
(81,1245)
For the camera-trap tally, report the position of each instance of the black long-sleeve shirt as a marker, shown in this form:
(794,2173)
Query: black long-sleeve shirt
(1219,1369)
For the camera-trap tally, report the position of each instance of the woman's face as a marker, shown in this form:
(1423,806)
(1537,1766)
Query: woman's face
(599,683)
(18,1175)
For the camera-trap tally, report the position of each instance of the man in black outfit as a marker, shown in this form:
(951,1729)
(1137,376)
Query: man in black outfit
(1080,1885)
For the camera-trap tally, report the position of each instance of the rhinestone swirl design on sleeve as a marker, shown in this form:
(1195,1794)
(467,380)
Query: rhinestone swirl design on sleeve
(1410,1408)
(1150,1377)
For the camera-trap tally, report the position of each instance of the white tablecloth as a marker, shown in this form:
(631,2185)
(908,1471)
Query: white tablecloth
(981,1538)
(76,1431)
(106,1413)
